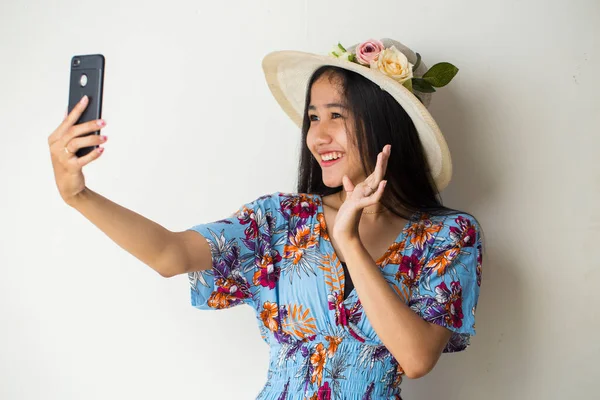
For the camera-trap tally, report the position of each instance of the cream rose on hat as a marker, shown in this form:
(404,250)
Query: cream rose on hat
(394,64)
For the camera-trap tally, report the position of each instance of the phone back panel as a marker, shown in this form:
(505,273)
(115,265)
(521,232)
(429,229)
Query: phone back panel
(87,78)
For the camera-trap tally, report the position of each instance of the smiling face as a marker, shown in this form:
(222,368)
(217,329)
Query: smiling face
(330,137)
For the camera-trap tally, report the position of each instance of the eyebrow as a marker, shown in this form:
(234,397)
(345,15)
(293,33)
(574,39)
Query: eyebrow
(330,105)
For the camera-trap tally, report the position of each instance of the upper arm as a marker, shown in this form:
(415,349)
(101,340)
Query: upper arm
(188,252)
(440,337)
(196,250)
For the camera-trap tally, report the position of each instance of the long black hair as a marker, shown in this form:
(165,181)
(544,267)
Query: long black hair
(379,120)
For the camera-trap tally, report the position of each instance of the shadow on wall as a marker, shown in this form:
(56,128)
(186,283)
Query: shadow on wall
(497,361)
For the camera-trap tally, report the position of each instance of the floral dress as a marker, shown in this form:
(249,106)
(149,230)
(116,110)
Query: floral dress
(274,254)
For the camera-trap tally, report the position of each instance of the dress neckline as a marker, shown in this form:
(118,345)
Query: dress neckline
(398,239)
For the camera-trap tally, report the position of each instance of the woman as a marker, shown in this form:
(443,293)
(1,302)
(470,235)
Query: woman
(359,278)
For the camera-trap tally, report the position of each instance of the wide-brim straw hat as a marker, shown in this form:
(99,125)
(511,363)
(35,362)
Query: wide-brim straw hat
(288,73)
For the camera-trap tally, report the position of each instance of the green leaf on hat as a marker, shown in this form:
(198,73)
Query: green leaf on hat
(408,84)
(417,63)
(440,74)
(352,58)
(422,85)
(341,47)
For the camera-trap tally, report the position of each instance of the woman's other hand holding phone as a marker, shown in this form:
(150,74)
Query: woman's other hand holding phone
(64,143)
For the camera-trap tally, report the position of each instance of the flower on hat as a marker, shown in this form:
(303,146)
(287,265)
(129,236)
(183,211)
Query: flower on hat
(340,52)
(368,52)
(393,63)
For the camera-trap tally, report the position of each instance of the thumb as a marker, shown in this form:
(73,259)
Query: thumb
(348,185)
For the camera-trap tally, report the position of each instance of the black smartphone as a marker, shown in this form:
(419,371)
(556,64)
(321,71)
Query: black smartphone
(87,78)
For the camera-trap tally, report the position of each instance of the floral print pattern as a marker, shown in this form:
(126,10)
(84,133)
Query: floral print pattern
(275,255)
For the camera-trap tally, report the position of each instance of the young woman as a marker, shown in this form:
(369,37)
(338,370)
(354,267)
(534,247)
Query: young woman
(361,277)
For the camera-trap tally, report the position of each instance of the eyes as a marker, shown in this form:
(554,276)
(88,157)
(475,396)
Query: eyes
(313,117)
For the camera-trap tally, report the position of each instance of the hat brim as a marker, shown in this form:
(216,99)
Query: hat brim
(288,73)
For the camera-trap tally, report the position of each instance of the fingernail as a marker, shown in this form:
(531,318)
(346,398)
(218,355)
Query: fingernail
(84,99)
(101,122)
(104,138)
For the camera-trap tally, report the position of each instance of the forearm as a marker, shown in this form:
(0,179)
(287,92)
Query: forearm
(146,240)
(410,339)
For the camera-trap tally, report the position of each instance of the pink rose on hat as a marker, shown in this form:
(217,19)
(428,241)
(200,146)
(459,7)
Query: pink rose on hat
(368,52)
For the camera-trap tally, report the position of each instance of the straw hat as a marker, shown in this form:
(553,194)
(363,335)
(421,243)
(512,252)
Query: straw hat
(288,73)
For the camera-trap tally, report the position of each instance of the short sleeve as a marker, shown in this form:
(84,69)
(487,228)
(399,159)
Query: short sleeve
(235,243)
(449,282)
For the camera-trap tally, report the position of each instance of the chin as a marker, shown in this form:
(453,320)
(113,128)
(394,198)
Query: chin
(332,181)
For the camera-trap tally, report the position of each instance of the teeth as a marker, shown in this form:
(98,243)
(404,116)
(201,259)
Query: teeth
(331,156)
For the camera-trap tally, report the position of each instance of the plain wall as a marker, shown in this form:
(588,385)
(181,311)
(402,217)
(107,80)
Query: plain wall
(194,133)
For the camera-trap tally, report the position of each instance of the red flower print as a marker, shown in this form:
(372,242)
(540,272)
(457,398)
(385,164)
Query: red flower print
(452,302)
(267,274)
(324,392)
(247,216)
(465,234)
(301,206)
(409,270)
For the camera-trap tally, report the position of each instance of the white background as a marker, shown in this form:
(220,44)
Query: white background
(194,133)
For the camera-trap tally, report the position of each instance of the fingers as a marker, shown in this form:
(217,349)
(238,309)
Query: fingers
(85,141)
(88,158)
(382,163)
(69,120)
(83,128)
(380,167)
(72,117)
(79,108)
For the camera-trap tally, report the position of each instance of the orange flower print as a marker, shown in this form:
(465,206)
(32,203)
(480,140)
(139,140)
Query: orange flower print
(393,255)
(269,316)
(439,262)
(229,293)
(321,227)
(398,377)
(422,232)
(300,241)
(318,359)
(334,341)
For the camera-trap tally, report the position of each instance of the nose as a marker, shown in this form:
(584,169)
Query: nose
(321,133)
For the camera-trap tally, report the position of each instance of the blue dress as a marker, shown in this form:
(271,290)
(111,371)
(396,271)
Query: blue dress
(274,254)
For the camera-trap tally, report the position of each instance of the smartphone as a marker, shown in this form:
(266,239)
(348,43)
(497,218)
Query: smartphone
(87,78)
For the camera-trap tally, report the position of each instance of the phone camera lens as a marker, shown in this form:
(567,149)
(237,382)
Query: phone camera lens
(76,62)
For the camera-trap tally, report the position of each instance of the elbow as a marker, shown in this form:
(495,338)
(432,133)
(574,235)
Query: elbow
(165,274)
(419,366)
(415,372)
(170,272)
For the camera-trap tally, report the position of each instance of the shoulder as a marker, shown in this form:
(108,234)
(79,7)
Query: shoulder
(455,229)
(283,204)
(297,204)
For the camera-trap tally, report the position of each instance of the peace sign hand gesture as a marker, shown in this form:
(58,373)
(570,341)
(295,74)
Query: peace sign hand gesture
(364,194)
